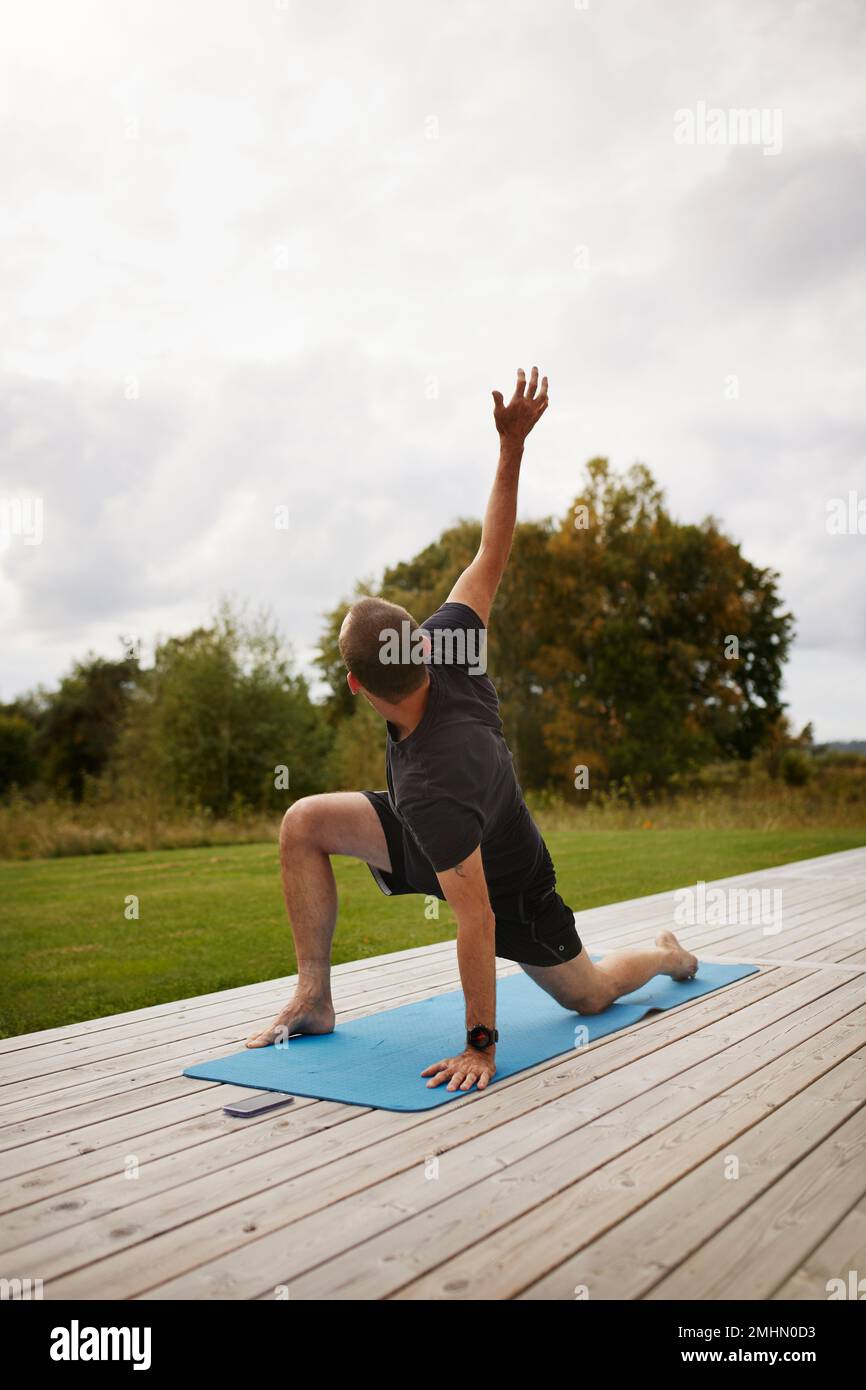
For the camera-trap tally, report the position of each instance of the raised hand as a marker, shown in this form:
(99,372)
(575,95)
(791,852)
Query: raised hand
(528,404)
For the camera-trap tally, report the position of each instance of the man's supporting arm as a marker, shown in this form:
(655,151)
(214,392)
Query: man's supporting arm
(478,583)
(465,888)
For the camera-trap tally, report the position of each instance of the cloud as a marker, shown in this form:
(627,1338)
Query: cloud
(778,231)
(308,246)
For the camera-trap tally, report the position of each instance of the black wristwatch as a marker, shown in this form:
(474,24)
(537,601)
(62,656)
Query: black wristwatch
(481,1037)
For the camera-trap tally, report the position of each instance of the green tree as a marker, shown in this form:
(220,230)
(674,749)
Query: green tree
(18,765)
(620,638)
(671,645)
(358,753)
(78,724)
(422,584)
(218,716)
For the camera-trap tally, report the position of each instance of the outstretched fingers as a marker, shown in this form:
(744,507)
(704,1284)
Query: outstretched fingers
(530,390)
(521,385)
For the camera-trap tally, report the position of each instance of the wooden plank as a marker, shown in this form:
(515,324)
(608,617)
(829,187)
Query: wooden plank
(357,1197)
(337,1201)
(109,1120)
(674,1222)
(822,910)
(841,1255)
(799,906)
(736,940)
(126,1072)
(416,983)
(818,931)
(769,1241)
(379,1266)
(524,1250)
(842,949)
(681,1025)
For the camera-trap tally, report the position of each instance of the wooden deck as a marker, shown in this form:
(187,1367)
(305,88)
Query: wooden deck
(714,1151)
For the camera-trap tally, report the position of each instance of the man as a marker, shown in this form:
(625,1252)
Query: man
(453,822)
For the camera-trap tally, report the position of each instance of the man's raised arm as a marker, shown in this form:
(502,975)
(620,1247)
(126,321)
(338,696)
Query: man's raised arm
(478,583)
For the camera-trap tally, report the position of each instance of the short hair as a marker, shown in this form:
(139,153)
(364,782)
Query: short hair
(369,654)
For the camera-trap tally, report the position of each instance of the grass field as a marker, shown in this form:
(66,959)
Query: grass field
(213,918)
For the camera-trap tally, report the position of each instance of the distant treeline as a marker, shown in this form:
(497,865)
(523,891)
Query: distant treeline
(219,722)
(621,641)
(848,748)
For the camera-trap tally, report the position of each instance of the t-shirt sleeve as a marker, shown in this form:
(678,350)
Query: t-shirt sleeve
(458,637)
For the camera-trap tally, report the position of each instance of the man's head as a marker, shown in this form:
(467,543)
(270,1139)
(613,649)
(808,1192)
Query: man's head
(379,645)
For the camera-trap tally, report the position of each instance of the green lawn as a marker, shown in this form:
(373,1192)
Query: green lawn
(213,918)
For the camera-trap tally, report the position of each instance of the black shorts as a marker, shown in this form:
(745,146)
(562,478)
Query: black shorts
(532,928)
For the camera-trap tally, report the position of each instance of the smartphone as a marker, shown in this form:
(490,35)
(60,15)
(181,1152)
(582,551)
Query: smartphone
(257,1105)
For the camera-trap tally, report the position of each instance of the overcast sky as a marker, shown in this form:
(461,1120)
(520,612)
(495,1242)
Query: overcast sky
(263,253)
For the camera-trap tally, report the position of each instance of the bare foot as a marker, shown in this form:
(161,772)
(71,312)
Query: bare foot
(685,966)
(300,1016)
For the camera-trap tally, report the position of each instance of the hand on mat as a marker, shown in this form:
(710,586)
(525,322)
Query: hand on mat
(471,1068)
(515,420)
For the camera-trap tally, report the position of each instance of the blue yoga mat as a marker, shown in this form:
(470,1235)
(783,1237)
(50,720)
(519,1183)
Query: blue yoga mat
(376,1061)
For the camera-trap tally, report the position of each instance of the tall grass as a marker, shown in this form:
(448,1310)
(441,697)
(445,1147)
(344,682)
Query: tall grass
(724,798)
(53,828)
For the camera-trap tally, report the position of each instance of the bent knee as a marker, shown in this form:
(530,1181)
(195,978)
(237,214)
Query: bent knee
(301,823)
(594,1001)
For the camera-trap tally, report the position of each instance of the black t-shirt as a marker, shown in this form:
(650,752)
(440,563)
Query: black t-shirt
(452,782)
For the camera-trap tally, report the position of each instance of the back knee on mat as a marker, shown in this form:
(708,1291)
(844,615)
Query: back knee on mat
(596,1001)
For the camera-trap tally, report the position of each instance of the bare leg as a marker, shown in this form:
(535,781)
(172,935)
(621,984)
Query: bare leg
(314,828)
(589,987)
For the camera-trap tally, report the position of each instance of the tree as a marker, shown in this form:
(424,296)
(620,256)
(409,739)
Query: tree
(422,584)
(620,639)
(358,752)
(217,718)
(18,765)
(78,724)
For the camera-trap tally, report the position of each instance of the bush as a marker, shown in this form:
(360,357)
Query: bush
(17,760)
(796,768)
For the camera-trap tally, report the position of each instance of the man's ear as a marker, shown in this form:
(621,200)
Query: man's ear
(353,683)
(426,645)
